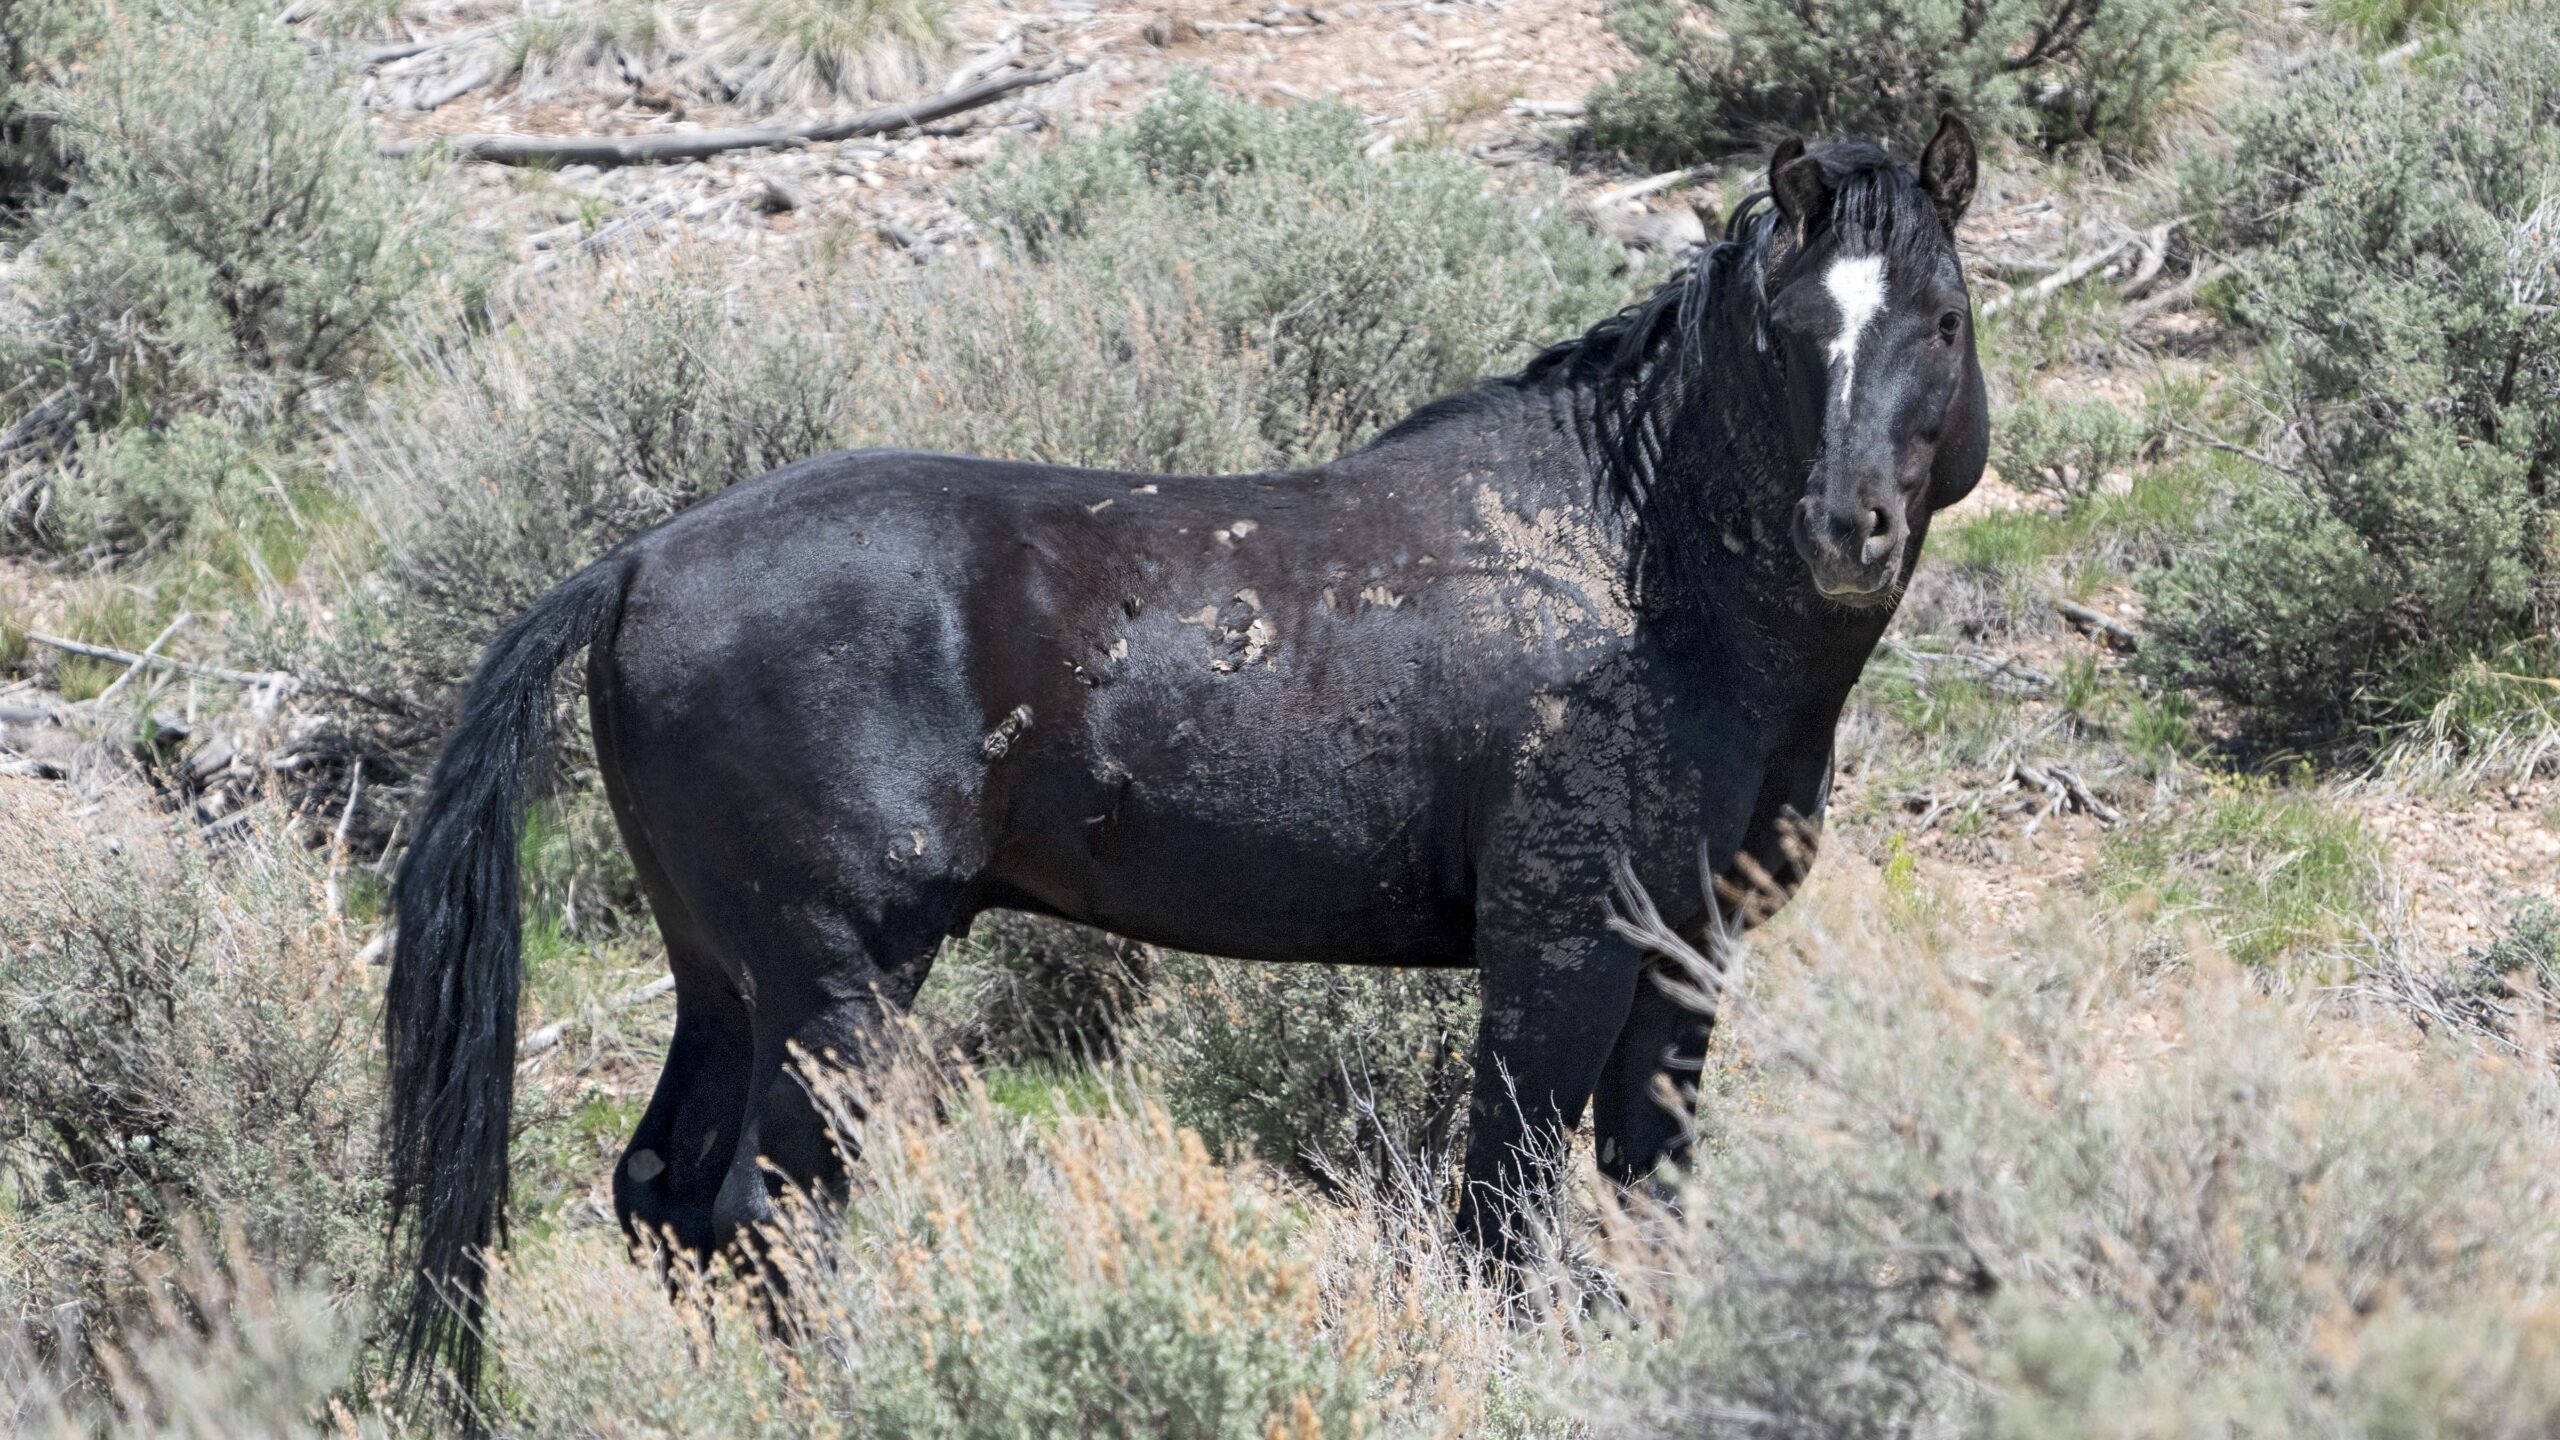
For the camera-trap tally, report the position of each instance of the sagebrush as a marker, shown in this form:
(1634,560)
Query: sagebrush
(2401,234)
(1721,75)
(2068,1193)
(184,1046)
(1329,1070)
(229,247)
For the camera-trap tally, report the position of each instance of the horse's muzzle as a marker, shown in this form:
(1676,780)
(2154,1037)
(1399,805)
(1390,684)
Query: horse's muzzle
(1853,548)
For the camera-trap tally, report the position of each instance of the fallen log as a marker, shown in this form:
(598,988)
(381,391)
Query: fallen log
(404,49)
(2155,253)
(2099,625)
(699,144)
(2176,295)
(150,652)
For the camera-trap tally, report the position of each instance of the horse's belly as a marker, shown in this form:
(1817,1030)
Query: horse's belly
(1372,878)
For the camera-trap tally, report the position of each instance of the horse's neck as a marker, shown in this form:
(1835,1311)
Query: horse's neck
(1732,590)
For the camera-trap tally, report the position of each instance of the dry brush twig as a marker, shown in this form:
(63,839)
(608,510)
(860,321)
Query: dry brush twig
(547,1039)
(2045,288)
(275,679)
(2099,625)
(699,144)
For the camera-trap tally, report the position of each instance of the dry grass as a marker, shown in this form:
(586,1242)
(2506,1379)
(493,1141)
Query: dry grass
(2061,1181)
(762,55)
(1092,1274)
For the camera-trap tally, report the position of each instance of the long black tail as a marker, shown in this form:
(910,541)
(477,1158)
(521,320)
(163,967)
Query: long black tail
(450,1016)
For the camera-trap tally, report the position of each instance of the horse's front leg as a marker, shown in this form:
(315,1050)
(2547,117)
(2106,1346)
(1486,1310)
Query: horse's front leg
(1646,1110)
(1644,1113)
(1556,998)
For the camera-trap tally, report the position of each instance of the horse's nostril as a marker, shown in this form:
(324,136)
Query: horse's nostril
(1879,542)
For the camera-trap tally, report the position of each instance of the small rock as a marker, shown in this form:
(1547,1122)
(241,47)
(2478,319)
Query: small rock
(776,196)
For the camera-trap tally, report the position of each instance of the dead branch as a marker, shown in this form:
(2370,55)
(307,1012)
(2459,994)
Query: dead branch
(637,222)
(403,49)
(698,144)
(2176,295)
(455,86)
(2215,442)
(1706,974)
(149,652)
(2155,253)
(338,839)
(2087,799)
(2023,774)
(1650,185)
(2100,626)
(547,1039)
(2063,790)
(265,678)
(2045,288)
(1994,667)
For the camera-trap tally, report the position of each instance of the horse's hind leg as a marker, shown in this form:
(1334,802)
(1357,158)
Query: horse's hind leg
(670,1174)
(828,991)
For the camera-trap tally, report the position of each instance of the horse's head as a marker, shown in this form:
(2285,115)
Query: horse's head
(1868,312)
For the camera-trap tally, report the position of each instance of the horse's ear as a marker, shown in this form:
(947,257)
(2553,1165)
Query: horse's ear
(1947,169)
(1797,184)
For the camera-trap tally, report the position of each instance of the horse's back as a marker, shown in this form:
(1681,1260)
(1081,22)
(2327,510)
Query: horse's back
(1161,704)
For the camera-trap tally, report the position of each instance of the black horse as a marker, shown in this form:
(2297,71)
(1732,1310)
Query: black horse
(1414,707)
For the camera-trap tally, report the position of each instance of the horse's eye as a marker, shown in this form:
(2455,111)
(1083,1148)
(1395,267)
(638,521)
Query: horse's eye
(1948,324)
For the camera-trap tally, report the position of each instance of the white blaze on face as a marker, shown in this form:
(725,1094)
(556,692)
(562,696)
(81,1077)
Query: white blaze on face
(1857,288)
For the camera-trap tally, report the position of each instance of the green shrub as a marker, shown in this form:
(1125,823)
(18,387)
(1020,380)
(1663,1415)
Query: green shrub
(1023,990)
(520,459)
(182,1047)
(38,38)
(1961,1199)
(230,241)
(2528,948)
(2406,225)
(227,1352)
(141,488)
(1717,74)
(2380,24)
(1338,1072)
(790,52)
(1367,286)
(763,55)
(2506,992)
(2066,447)
(231,216)
(577,877)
